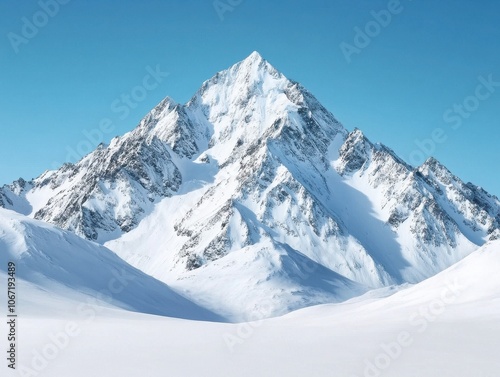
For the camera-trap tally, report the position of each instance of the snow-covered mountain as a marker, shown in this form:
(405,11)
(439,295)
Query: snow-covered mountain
(253,189)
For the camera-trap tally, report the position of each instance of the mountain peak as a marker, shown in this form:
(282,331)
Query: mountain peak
(254,57)
(238,88)
(434,166)
(431,161)
(253,61)
(243,78)
(256,67)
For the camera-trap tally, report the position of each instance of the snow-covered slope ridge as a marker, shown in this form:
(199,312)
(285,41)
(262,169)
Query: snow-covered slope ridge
(71,267)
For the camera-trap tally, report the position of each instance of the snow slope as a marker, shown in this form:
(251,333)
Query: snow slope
(66,265)
(446,326)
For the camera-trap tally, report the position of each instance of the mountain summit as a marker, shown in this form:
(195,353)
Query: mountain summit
(253,189)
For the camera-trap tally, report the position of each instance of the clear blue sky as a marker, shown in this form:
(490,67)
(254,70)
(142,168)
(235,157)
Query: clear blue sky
(412,71)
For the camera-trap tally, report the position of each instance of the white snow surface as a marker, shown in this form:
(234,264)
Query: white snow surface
(446,326)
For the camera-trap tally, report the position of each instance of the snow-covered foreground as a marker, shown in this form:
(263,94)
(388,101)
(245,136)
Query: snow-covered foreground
(448,325)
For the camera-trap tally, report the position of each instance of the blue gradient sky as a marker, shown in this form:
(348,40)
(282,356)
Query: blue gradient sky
(397,89)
